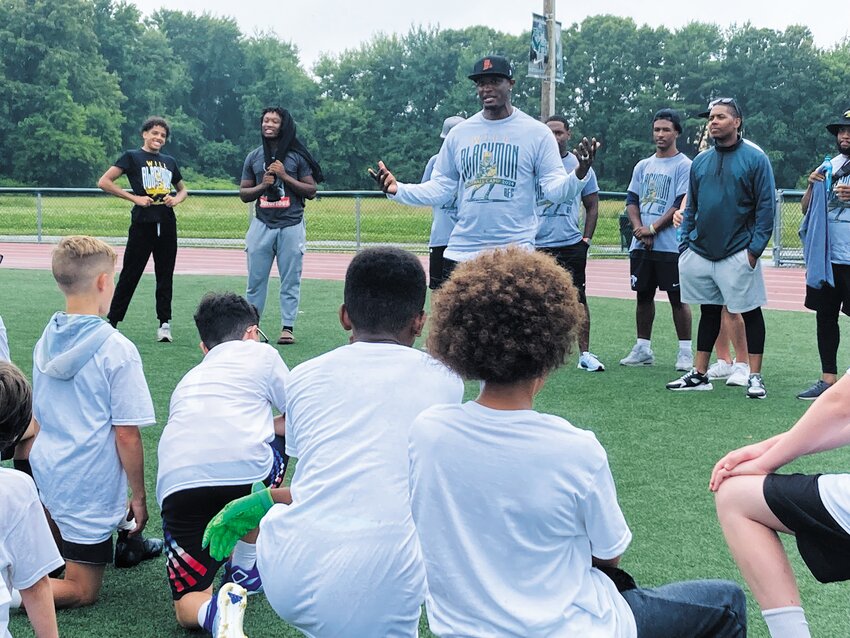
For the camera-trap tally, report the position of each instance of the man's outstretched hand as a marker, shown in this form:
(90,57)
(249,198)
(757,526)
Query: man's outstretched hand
(385,179)
(585,153)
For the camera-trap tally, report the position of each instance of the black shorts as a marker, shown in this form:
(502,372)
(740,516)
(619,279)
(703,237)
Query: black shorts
(449,266)
(651,270)
(829,298)
(185,515)
(822,542)
(98,554)
(435,266)
(573,259)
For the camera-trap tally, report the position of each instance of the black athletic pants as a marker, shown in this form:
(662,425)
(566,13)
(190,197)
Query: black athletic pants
(144,239)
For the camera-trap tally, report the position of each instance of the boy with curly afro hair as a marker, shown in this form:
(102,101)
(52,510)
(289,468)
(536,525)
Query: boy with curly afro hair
(533,551)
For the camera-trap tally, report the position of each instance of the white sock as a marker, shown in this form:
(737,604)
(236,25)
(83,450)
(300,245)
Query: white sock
(245,555)
(202,612)
(786,622)
(16,599)
(685,344)
(643,343)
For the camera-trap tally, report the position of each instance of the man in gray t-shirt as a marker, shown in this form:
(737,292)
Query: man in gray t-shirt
(278,187)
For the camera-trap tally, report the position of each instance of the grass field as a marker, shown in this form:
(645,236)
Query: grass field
(661,445)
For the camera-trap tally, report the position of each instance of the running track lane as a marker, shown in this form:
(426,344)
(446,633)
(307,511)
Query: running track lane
(605,277)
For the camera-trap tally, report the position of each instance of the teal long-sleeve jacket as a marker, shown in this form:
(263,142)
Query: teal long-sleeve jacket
(731,202)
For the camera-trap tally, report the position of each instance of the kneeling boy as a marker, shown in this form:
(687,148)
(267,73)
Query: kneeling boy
(89,397)
(219,439)
(342,559)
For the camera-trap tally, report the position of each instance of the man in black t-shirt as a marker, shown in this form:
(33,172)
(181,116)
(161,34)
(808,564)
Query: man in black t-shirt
(157,187)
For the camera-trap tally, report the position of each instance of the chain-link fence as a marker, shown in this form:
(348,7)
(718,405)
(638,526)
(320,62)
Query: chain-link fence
(337,221)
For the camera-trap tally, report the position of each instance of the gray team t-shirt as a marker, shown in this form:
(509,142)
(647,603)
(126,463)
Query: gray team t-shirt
(289,209)
(658,181)
(838,214)
(558,222)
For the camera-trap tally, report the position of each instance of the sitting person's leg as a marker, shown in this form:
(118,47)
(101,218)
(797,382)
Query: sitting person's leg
(691,609)
(751,529)
(80,586)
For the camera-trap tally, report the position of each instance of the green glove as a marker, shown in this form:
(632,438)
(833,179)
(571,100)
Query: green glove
(237,519)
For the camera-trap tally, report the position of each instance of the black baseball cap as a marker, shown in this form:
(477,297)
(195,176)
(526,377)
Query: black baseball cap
(672,116)
(491,65)
(724,101)
(843,120)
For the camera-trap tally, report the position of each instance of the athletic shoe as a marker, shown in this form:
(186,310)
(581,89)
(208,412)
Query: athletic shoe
(226,611)
(163,334)
(740,375)
(685,360)
(755,387)
(132,550)
(588,361)
(639,356)
(286,337)
(719,370)
(815,391)
(693,380)
(250,579)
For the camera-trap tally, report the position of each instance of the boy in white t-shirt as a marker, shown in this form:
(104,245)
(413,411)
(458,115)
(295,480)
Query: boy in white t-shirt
(220,438)
(27,551)
(534,551)
(89,397)
(340,556)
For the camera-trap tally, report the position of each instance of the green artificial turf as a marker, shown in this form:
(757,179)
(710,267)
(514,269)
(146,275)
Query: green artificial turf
(661,445)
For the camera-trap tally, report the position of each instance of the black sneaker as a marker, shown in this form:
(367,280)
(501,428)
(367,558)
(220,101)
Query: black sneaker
(132,550)
(810,394)
(693,380)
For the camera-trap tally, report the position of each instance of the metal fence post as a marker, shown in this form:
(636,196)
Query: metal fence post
(357,199)
(38,215)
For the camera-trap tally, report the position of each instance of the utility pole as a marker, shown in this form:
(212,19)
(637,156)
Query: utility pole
(547,92)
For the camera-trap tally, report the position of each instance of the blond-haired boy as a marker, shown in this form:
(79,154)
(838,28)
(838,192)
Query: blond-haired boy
(89,397)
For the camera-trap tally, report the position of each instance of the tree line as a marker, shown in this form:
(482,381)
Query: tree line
(79,76)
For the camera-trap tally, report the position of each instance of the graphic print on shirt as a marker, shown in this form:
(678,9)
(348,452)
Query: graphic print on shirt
(655,191)
(838,211)
(486,166)
(156,178)
(545,208)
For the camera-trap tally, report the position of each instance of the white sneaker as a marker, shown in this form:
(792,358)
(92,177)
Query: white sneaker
(755,387)
(639,356)
(740,375)
(588,361)
(685,360)
(163,333)
(719,370)
(232,600)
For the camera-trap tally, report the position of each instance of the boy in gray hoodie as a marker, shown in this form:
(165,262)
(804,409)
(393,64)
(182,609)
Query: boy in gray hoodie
(89,397)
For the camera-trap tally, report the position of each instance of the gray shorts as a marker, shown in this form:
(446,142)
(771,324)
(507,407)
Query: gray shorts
(729,282)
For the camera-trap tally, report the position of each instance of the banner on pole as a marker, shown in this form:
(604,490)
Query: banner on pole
(538,54)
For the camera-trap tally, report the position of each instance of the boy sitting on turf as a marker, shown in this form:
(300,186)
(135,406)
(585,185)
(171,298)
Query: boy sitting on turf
(219,440)
(27,551)
(341,557)
(519,553)
(89,398)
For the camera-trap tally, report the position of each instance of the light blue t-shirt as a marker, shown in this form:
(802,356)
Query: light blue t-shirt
(838,214)
(444,216)
(558,222)
(87,377)
(658,181)
(497,163)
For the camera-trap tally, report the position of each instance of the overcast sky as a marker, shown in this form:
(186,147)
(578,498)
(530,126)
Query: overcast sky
(331,26)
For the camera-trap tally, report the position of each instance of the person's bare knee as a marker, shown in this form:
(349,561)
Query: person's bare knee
(743,496)
(81,585)
(186,609)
